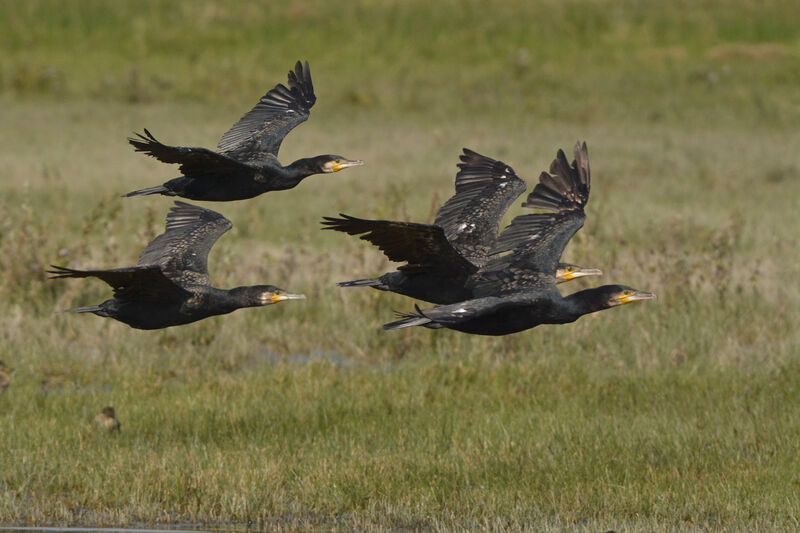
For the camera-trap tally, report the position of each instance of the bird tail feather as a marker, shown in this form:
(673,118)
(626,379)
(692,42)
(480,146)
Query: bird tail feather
(371,282)
(160,189)
(87,309)
(64,272)
(411,319)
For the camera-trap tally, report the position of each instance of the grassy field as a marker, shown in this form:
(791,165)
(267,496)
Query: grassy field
(678,414)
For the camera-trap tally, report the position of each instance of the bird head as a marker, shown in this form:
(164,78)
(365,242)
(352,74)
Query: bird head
(566,272)
(620,295)
(335,163)
(269,294)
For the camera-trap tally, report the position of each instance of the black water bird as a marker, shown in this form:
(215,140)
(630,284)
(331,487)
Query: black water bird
(443,259)
(246,163)
(517,291)
(170,285)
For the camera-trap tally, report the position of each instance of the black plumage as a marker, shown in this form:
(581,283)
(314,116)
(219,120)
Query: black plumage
(170,284)
(517,291)
(443,258)
(246,161)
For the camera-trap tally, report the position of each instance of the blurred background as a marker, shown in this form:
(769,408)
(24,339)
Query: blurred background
(690,111)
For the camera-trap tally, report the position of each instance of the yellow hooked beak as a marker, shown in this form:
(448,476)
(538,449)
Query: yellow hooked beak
(341,164)
(633,296)
(572,273)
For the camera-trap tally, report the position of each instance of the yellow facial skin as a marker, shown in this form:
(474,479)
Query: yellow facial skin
(331,166)
(571,272)
(629,295)
(338,164)
(279,296)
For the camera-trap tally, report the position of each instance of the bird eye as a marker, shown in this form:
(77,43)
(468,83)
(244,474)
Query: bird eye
(570,269)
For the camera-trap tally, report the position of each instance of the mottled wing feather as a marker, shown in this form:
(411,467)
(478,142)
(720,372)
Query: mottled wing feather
(194,162)
(140,283)
(538,240)
(263,128)
(505,279)
(182,250)
(524,229)
(423,247)
(567,186)
(485,188)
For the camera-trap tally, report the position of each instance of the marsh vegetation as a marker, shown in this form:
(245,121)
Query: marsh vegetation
(676,415)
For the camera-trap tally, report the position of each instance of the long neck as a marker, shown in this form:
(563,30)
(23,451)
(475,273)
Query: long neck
(300,169)
(584,302)
(223,301)
(244,296)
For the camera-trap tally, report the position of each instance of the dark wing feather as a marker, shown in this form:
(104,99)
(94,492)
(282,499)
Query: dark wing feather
(194,162)
(540,237)
(538,240)
(506,278)
(423,247)
(566,187)
(182,250)
(485,188)
(141,283)
(263,128)
(459,313)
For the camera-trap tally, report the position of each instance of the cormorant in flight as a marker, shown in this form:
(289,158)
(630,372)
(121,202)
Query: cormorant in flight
(170,285)
(246,163)
(442,259)
(517,291)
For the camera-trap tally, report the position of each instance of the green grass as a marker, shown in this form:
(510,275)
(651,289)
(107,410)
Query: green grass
(678,414)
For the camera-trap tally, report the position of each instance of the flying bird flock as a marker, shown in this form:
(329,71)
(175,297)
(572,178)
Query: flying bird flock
(481,280)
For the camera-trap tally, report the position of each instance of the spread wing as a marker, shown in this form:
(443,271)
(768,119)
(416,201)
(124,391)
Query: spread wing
(485,188)
(423,247)
(141,283)
(510,278)
(182,250)
(263,128)
(194,162)
(538,240)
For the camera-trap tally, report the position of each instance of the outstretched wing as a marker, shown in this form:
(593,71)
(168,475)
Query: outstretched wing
(142,283)
(263,128)
(194,162)
(485,188)
(538,240)
(182,250)
(423,247)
